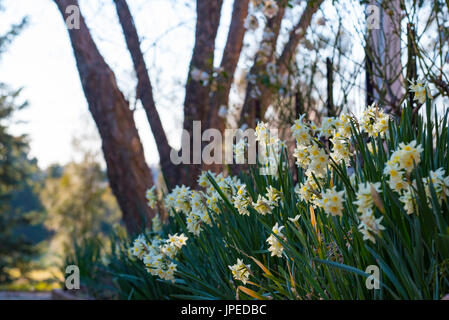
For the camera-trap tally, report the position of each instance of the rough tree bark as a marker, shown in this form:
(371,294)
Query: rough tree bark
(231,56)
(393,64)
(228,65)
(128,173)
(145,94)
(197,101)
(383,50)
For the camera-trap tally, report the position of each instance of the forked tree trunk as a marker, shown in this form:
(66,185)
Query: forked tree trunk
(128,173)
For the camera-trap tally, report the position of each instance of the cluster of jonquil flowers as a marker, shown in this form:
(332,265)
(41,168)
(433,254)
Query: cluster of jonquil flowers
(264,204)
(157,254)
(399,167)
(276,248)
(367,194)
(270,149)
(314,158)
(151,197)
(315,161)
(241,272)
(197,204)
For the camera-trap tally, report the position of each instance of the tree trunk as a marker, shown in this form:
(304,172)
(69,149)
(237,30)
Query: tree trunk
(231,56)
(128,173)
(393,64)
(383,48)
(197,101)
(229,61)
(145,93)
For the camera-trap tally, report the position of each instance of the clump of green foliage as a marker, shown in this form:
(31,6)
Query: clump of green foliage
(315,247)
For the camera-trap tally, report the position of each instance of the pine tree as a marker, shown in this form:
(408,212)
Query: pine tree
(16,171)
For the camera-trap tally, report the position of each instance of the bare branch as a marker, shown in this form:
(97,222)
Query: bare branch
(145,92)
(297,34)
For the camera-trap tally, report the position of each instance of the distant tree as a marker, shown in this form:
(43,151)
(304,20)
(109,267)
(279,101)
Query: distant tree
(79,203)
(17,248)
